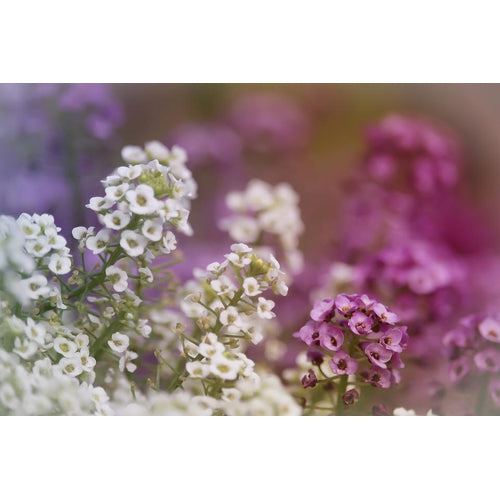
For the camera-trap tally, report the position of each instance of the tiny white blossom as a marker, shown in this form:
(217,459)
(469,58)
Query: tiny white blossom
(99,204)
(38,247)
(98,243)
(116,220)
(131,172)
(71,366)
(169,242)
(133,243)
(134,154)
(155,149)
(65,347)
(118,278)
(197,369)
(152,230)
(251,287)
(142,200)
(119,342)
(264,308)
(35,331)
(115,193)
(59,264)
(224,368)
(146,274)
(126,361)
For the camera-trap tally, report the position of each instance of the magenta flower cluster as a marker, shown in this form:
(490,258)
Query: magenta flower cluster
(410,151)
(474,349)
(358,335)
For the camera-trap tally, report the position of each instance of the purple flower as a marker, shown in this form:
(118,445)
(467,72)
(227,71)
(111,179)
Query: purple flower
(488,360)
(490,330)
(343,364)
(309,379)
(350,397)
(345,304)
(394,339)
(309,333)
(385,315)
(331,337)
(315,357)
(378,377)
(360,323)
(377,354)
(494,390)
(458,369)
(323,310)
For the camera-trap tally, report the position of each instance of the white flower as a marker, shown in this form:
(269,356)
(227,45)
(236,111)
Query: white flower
(403,412)
(142,200)
(38,247)
(208,350)
(222,286)
(65,347)
(119,342)
(258,195)
(126,361)
(36,287)
(238,260)
(30,229)
(59,264)
(264,308)
(224,368)
(146,274)
(244,229)
(236,201)
(169,242)
(152,230)
(98,243)
(231,318)
(118,278)
(190,349)
(81,232)
(131,172)
(35,331)
(143,328)
(133,243)
(157,150)
(134,154)
(116,220)
(25,347)
(251,287)
(87,361)
(99,204)
(116,192)
(240,248)
(82,340)
(197,369)
(71,366)
(99,396)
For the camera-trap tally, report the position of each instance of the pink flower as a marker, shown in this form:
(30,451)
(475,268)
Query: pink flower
(343,364)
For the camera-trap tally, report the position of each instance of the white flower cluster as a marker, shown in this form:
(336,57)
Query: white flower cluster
(45,389)
(15,263)
(44,244)
(261,395)
(142,202)
(228,307)
(262,209)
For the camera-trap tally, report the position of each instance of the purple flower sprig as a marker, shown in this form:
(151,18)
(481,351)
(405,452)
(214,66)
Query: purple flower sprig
(473,350)
(361,340)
